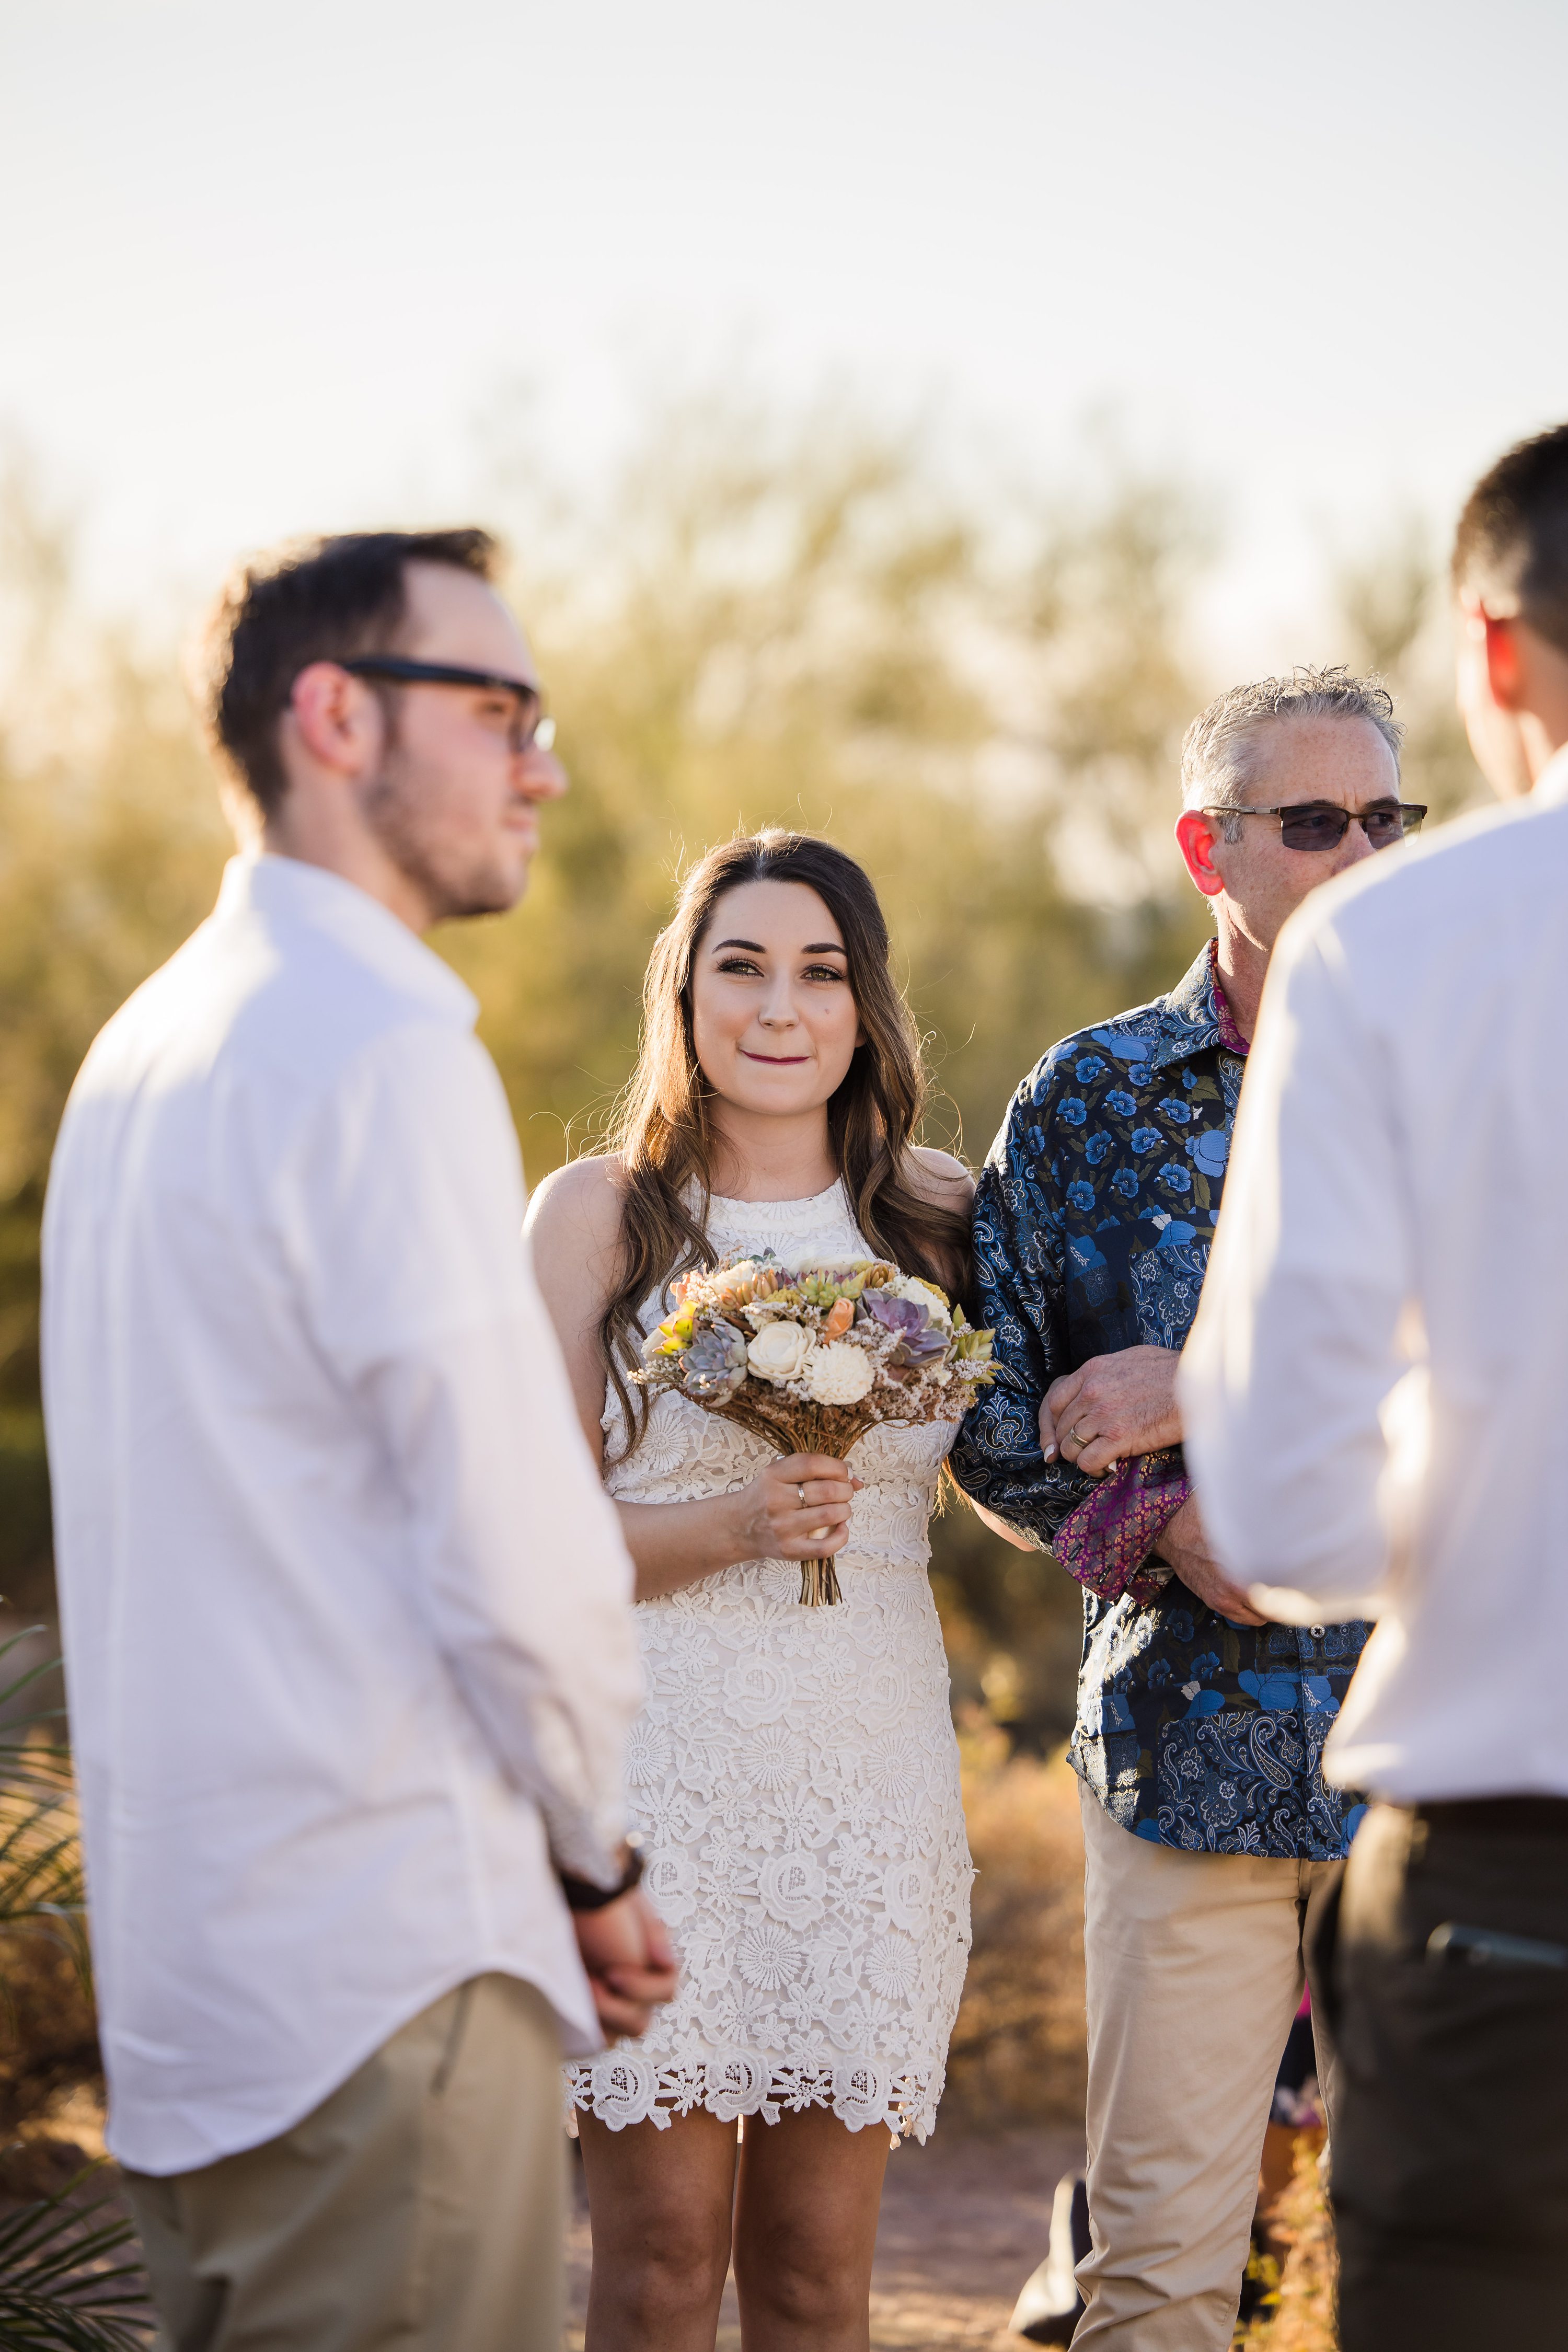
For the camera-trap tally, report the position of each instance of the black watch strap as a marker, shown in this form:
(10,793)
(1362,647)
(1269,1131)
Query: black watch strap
(582,1894)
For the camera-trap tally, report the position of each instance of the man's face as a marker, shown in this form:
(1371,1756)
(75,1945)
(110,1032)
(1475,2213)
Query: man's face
(1257,879)
(453,804)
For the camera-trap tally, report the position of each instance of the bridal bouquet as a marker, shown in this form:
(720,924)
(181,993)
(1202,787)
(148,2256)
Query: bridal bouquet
(810,1357)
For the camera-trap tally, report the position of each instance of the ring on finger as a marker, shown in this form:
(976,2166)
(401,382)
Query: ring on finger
(800,1490)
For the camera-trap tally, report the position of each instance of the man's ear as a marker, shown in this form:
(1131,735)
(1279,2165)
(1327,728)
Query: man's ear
(1195,838)
(1505,668)
(335,718)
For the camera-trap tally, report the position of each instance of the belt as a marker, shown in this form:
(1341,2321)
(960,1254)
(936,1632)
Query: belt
(1544,1816)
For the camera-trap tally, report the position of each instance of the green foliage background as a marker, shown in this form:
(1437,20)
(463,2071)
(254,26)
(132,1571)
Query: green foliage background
(766,617)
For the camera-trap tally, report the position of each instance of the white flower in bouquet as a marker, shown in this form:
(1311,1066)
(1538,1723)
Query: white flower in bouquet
(728,1281)
(838,1373)
(779,1352)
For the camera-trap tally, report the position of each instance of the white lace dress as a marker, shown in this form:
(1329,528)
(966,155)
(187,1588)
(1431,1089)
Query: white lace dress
(794,1776)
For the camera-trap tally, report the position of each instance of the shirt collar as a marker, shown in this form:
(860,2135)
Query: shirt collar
(289,890)
(1551,784)
(1195,1016)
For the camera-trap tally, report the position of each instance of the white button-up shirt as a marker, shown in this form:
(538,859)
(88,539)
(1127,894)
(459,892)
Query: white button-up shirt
(345,1609)
(1375,1392)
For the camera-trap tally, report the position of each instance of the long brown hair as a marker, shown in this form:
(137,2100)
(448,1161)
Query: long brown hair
(663,1132)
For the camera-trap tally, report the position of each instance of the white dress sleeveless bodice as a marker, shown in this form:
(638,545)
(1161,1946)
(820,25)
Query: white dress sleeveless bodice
(794,1777)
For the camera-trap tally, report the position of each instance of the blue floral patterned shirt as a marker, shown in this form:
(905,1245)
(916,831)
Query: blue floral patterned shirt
(1092,1225)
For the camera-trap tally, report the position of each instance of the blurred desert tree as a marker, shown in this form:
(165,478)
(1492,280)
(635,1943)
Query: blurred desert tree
(766,618)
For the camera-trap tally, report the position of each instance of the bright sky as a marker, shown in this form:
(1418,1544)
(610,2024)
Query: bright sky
(265,265)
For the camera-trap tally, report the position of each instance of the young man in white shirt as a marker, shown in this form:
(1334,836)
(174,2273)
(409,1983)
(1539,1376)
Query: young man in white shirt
(345,1610)
(1375,1395)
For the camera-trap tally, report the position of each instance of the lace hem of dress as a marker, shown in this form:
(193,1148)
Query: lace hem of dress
(626,2086)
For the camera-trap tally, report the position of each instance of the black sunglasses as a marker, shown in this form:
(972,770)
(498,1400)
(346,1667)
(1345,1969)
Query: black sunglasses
(530,732)
(1324,824)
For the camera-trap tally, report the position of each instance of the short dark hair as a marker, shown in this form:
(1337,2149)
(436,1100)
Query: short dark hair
(1513,539)
(326,600)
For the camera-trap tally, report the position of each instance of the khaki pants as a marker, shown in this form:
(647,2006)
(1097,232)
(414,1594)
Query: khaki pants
(420,2206)
(1195,1964)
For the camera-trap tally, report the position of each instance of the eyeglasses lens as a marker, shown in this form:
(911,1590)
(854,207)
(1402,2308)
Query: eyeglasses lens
(1313,828)
(1325,828)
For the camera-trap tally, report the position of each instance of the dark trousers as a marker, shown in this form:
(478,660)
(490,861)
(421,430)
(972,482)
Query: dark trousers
(1450,2143)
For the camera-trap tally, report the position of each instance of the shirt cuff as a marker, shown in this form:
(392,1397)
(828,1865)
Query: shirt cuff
(1106,1543)
(583,1844)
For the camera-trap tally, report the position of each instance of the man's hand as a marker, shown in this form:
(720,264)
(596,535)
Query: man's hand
(1185,1547)
(630,1961)
(1111,1407)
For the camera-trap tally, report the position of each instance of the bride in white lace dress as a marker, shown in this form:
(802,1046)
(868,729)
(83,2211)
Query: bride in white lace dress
(794,1774)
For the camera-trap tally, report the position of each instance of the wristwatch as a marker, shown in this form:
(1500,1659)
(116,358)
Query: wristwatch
(582,1894)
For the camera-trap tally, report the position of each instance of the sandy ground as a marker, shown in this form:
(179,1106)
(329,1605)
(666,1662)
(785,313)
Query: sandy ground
(965,2220)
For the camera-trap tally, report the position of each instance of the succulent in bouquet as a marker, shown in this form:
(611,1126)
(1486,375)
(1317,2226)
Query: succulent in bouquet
(810,1357)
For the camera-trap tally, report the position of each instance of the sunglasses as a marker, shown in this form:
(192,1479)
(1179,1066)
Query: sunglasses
(530,731)
(1324,824)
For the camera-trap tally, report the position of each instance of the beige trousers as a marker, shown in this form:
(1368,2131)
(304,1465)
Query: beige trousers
(421,2206)
(1195,1964)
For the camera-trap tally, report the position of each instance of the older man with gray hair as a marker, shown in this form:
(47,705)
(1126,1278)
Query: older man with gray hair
(1211,1839)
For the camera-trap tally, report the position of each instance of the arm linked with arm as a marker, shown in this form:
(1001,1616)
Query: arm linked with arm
(1018,1282)
(1294,1351)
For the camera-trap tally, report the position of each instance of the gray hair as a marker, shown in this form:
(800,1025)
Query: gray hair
(1219,763)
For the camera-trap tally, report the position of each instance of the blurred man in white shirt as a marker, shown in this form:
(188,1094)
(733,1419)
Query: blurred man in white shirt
(1376,1395)
(346,1614)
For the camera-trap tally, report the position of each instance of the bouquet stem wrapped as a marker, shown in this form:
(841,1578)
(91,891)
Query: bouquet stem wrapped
(807,1429)
(810,1358)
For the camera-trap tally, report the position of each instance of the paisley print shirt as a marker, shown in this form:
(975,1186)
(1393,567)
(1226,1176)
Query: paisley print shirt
(1093,1218)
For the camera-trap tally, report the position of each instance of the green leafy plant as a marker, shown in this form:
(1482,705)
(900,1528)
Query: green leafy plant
(26,1759)
(40,1848)
(61,2287)
(70,2275)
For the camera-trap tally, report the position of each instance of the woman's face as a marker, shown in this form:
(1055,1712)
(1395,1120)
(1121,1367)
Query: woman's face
(772,1018)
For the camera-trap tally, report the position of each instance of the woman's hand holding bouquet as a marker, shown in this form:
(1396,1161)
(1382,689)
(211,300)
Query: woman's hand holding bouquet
(798,1508)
